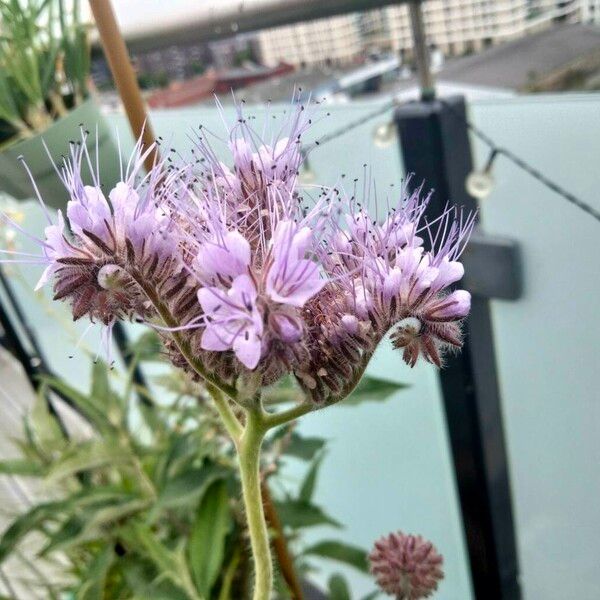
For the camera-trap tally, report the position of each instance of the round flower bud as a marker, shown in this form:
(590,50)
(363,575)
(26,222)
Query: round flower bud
(406,566)
(111,277)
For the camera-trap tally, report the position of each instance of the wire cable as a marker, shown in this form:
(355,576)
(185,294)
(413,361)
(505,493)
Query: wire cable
(479,134)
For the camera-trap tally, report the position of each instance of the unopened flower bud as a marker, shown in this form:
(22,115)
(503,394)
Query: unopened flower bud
(111,277)
(406,566)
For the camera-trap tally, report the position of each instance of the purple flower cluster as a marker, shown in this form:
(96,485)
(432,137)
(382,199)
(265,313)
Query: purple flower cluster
(251,271)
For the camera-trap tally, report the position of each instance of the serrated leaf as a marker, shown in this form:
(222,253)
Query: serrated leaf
(373,389)
(206,548)
(297,514)
(345,553)
(338,588)
(308,485)
(302,447)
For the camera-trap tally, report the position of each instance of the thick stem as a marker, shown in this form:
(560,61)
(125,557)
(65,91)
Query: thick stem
(230,421)
(249,458)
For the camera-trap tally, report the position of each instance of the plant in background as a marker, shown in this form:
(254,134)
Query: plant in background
(44,63)
(147,505)
(252,280)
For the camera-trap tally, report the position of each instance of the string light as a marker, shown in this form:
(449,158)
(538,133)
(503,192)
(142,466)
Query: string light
(384,134)
(479,184)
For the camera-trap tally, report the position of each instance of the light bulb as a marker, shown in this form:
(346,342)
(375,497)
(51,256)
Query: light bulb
(384,134)
(479,184)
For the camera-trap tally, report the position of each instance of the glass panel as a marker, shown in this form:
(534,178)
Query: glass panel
(547,341)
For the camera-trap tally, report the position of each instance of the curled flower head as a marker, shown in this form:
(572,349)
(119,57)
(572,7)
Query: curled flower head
(237,264)
(406,566)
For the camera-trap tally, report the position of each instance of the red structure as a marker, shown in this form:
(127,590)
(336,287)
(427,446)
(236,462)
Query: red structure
(191,91)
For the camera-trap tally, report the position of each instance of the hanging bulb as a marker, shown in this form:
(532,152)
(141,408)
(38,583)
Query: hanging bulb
(480,184)
(384,134)
(307,175)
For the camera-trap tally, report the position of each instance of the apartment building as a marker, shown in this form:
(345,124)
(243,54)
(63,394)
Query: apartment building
(590,11)
(454,26)
(336,40)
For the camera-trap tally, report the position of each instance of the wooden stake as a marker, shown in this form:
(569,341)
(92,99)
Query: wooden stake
(123,74)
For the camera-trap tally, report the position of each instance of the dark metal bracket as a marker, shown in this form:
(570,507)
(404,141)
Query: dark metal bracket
(492,267)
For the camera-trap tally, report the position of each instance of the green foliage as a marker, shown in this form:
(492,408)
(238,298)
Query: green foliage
(373,389)
(345,553)
(338,588)
(149,507)
(44,62)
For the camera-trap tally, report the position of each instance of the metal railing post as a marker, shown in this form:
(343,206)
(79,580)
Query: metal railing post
(435,145)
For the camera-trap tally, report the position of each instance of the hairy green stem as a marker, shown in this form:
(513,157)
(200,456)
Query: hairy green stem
(285,416)
(230,421)
(249,459)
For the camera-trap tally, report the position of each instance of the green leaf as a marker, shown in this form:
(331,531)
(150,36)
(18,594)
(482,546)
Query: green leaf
(341,552)
(373,389)
(304,448)
(85,405)
(188,486)
(298,514)
(308,485)
(168,563)
(94,580)
(21,526)
(206,548)
(87,456)
(21,467)
(147,347)
(102,395)
(338,588)
(141,537)
(141,578)
(47,433)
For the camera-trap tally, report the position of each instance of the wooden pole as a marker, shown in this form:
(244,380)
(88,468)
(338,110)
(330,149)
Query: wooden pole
(123,74)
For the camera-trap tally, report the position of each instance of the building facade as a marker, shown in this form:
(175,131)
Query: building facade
(454,26)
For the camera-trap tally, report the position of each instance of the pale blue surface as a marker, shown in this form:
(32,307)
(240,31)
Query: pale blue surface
(548,341)
(389,465)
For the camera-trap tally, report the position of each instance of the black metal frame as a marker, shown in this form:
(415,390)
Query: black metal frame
(435,145)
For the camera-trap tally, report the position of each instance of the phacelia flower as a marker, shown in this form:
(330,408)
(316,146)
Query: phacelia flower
(406,566)
(233,261)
